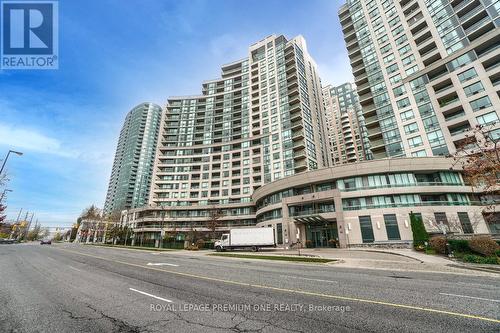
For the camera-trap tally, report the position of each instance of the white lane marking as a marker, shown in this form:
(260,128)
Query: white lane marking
(144,293)
(162,264)
(309,279)
(74,268)
(464,296)
(50,258)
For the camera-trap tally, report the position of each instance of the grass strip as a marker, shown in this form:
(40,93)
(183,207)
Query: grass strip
(279,258)
(132,247)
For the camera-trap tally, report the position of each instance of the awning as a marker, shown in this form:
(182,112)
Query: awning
(312,219)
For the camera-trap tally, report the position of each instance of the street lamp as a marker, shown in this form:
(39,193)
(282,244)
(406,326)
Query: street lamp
(3,194)
(7,157)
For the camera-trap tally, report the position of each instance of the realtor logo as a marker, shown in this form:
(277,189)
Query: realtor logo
(29,37)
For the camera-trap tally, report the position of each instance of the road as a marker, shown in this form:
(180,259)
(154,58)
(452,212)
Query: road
(77,288)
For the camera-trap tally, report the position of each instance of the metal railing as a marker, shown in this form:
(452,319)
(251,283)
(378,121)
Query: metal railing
(401,185)
(415,204)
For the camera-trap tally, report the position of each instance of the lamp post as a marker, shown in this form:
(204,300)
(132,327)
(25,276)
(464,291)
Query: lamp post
(3,194)
(7,157)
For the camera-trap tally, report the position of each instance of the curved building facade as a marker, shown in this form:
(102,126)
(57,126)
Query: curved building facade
(369,203)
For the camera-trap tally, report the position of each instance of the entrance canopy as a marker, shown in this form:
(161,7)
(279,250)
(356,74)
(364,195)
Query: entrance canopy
(313,220)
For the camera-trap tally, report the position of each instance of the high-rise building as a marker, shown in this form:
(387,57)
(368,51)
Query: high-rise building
(426,71)
(132,171)
(261,121)
(346,128)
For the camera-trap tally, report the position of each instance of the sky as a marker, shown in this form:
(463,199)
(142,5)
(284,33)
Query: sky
(115,54)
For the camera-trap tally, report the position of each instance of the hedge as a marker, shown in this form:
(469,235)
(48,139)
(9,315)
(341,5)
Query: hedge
(420,235)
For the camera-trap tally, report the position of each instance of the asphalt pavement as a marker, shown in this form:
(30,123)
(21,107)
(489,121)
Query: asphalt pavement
(78,288)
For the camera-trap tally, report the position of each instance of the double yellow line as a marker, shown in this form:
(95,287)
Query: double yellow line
(300,292)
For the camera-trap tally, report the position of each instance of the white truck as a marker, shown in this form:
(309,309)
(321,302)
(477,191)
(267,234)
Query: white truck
(253,238)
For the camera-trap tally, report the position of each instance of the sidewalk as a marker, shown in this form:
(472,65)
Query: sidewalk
(403,260)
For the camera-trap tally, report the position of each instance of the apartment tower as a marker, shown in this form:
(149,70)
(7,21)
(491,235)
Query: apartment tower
(346,128)
(261,121)
(134,159)
(426,71)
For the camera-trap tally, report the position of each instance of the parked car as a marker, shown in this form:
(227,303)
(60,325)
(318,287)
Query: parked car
(45,241)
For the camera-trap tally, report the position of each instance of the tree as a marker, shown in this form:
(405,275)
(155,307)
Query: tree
(214,221)
(452,224)
(2,213)
(57,237)
(92,216)
(479,156)
(91,213)
(36,233)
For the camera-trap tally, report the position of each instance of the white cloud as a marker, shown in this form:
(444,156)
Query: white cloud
(32,140)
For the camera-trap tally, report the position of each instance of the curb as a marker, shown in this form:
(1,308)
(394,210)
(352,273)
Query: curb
(393,253)
(493,270)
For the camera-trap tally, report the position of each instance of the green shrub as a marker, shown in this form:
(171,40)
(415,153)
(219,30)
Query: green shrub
(497,253)
(438,243)
(459,245)
(479,260)
(484,245)
(471,258)
(490,260)
(430,251)
(420,235)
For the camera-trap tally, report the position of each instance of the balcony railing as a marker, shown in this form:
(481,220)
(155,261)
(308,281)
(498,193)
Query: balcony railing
(401,185)
(415,204)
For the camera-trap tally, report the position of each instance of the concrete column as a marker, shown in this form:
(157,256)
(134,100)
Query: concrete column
(341,228)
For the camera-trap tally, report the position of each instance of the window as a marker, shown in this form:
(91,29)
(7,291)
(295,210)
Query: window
(461,61)
(365,224)
(395,79)
(411,70)
(408,60)
(441,218)
(436,138)
(415,142)
(467,75)
(401,40)
(407,115)
(487,118)
(480,103)
(405,49)
(463,217)
(399,91)
(419,153)
(473,89)
(403,103)
(389,58)
(391,226)
(411,128)
(392,68)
